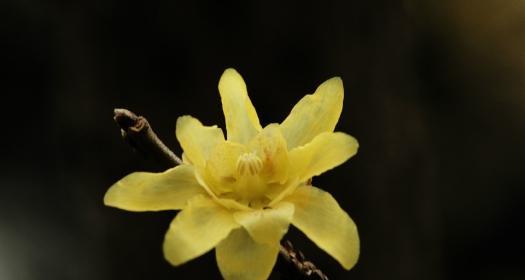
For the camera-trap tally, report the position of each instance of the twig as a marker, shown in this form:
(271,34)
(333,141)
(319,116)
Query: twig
(306,269)
(137,132)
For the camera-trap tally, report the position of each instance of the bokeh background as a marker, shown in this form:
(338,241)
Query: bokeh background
(434,92)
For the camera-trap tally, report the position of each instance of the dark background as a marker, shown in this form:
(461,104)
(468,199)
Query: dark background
(434,92)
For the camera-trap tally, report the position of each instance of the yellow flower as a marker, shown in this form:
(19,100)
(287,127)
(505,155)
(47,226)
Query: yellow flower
(240,194)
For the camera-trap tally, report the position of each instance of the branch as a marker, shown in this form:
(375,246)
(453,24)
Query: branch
(137,132)
(294,258)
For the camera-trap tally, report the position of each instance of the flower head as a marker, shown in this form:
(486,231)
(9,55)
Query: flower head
(239,193)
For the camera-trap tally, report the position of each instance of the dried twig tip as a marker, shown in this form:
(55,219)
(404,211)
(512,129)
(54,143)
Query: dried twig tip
(138,133)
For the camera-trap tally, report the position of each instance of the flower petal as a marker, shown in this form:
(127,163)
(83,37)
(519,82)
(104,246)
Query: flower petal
(222,163)
(196,230)
(318,215)
(239,257)
(267,225)
(326,151)
(271,148)
(145,191)
(314,113)
(203,178)
(197,140)
(242,123)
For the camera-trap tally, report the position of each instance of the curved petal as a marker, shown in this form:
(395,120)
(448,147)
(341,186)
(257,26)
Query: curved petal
(239,257)
(223,160)
(277,195)
(196,230)
(242,123)
(227,203)
(197,140)
(271,148)
(318,215)
(267,225)
(314,113)
(326,151)
(145,191)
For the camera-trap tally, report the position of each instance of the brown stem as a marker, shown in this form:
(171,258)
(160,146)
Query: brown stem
(306,269)
(138,133)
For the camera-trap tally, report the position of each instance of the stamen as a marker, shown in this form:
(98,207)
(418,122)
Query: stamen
(249,163)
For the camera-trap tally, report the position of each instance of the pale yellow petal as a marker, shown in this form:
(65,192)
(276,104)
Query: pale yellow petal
(222,163)
(145,191)
(277,195)
(197,140)
(270,146)
(315,113)
(326,151)
(198,228)
(320,217)
(228,203)
(239,257)
(242,123)
(220,170)
(267,225)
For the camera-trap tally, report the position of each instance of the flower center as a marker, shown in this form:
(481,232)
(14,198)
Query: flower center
(249,164)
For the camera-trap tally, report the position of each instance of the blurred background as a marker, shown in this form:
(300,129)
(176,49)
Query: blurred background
(434,92)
